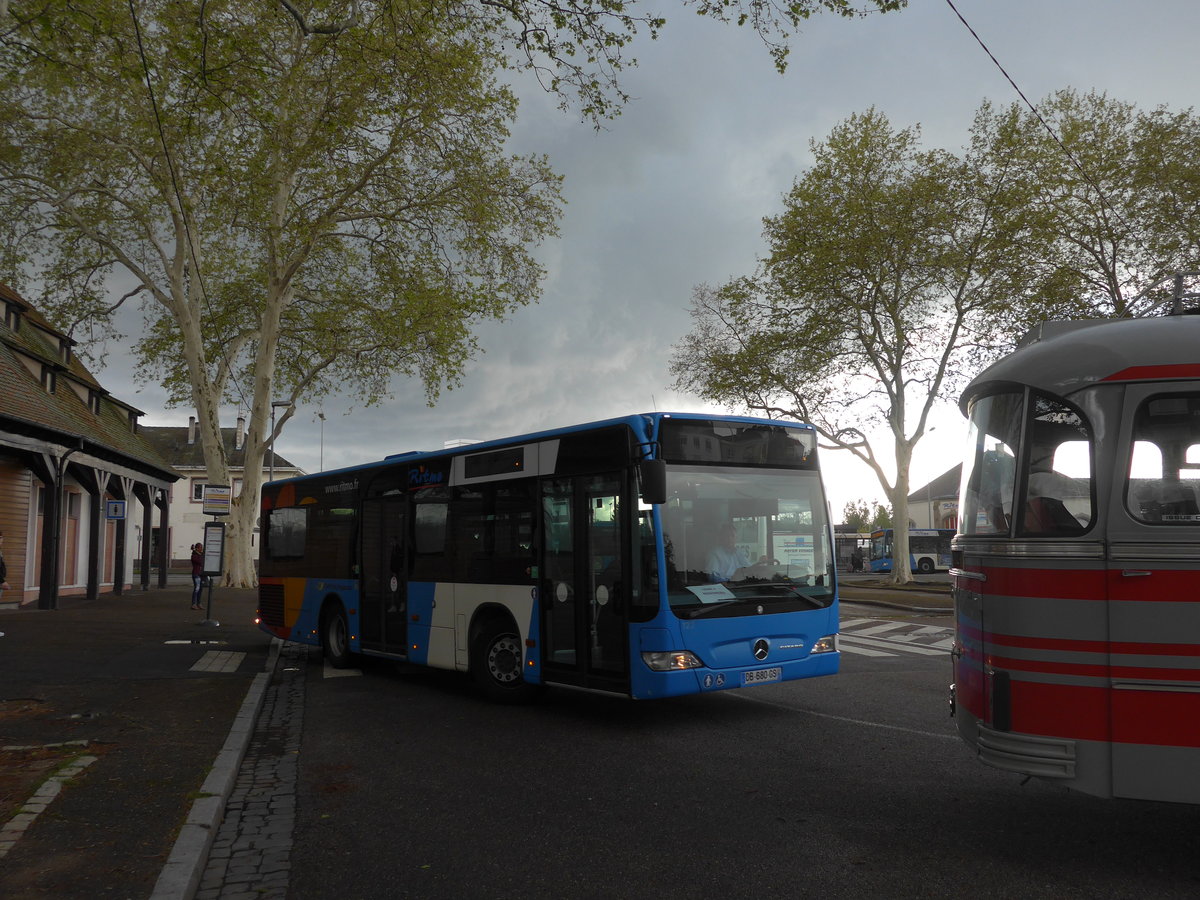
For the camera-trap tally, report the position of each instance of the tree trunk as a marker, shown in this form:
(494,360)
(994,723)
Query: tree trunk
(901,569)
(241,549)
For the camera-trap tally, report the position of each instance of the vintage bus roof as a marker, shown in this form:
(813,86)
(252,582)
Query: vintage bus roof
(643,426)
(1063,357)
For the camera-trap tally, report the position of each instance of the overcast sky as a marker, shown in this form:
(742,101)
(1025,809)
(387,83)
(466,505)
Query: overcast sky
(673,192)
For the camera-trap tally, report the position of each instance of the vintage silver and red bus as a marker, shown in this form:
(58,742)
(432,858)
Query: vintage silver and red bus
(1077,564)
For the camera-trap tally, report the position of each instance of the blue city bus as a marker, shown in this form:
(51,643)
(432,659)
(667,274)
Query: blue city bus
(592,557)
(928,549)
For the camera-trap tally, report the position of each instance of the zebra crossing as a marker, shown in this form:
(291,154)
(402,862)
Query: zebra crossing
(878,637)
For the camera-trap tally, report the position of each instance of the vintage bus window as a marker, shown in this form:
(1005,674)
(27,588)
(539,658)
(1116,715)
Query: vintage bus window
(988,479)
(1164,468)
(1059,495)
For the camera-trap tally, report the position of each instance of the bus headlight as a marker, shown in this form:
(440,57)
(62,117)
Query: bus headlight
(827,644)
(668,660)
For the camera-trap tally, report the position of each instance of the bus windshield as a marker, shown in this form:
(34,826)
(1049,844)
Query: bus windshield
(745,541)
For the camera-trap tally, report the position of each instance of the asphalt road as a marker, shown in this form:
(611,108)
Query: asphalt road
(852,786)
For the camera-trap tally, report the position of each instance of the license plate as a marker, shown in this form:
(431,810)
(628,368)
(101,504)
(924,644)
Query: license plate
(762,676)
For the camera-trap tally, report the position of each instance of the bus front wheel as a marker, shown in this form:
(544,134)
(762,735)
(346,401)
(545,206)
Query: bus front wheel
(335,637)
(496,662)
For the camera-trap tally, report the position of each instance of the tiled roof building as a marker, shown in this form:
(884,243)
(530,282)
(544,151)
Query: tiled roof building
(68,450)
(180,445)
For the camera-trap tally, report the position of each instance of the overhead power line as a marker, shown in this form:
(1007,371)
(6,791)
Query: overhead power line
(1038,115)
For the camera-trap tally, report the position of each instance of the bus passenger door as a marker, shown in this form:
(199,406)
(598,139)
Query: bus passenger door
(1154,594)
(585,631)
(384,574)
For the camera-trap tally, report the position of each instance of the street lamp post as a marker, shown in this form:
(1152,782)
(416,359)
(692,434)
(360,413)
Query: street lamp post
(321,416)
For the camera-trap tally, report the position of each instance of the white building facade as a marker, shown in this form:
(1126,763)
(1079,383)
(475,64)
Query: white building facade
(181,447)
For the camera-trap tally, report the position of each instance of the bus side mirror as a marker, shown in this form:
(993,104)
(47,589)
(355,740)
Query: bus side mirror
(653,476)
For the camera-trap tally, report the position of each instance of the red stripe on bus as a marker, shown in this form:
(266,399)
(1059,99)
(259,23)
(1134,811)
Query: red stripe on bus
(1155,373)
(1060,584)
(1094,670)
(1156,585)
(1060,710)
(1159,586)
(1070,645)
(1168,718)
(1163,718)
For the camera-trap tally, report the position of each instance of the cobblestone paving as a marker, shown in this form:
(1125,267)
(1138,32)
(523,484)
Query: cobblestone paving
(251,854)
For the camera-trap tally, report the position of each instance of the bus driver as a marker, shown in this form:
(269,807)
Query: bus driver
(725,559)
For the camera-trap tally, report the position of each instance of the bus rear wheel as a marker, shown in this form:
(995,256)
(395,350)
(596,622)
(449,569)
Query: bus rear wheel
(335,637)
(496,664)
(925,565)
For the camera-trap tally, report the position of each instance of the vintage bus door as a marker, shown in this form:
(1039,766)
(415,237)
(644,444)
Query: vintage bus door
(383,603)
(584,582)
(1154,595)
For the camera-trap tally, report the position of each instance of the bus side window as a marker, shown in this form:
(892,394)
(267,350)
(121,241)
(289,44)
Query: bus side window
(1164,468)
(430,561)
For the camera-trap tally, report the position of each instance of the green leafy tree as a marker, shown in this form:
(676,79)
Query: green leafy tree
(304,196)
(577,47)
(1117,186)
(865,516)
(299,212)
(892,272)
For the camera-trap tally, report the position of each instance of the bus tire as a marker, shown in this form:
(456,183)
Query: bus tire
(925,565)
(496,663)
(335,636)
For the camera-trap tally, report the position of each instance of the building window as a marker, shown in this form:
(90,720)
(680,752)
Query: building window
(198,490)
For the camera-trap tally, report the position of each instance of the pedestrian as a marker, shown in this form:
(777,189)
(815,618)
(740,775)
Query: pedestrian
(3,567)
(197,573)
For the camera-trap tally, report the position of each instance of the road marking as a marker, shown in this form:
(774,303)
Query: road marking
(745,695)
(219,661)
(892,645)
(879,629)
(329,671)
(861,651)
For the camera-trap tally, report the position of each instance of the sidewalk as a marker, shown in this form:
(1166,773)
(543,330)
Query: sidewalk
(121,718)
(123,724)
(922,595)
